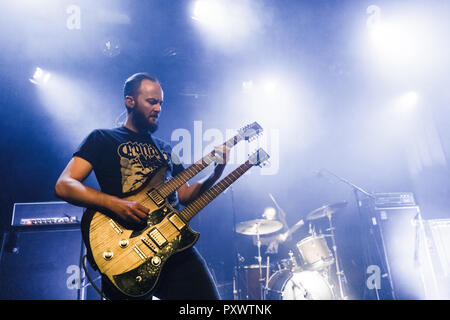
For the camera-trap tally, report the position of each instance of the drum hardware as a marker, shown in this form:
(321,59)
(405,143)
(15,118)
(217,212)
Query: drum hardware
(357,191)
(292,260)
(259,258)
(267,278)
(314,249)
(339,271)
(259,227)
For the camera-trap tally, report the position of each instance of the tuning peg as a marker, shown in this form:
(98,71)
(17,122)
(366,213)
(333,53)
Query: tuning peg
(265,163)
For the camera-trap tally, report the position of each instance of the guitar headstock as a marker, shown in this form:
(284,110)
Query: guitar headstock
(250,131)
(258,157)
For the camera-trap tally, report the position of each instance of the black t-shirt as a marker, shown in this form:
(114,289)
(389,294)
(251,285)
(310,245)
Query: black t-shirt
(124,160)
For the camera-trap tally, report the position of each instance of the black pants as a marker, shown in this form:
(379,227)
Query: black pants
(185,276)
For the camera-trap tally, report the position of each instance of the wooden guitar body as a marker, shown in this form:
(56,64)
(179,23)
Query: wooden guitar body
(132,258)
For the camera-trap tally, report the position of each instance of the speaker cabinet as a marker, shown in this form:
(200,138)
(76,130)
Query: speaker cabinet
(44,264)
(402,237)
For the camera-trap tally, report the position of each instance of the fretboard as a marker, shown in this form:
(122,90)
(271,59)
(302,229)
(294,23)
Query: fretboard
(173,184)
(198,204)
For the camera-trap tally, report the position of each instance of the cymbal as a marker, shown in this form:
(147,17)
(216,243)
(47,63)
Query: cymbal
(261,226)
(326,210)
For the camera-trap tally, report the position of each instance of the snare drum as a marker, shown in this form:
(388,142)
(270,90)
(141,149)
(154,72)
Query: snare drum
(315,252)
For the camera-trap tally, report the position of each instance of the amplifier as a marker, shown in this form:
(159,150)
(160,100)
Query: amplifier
(404,246)
(45,264)
(41,255)
(57,213)
(394,199)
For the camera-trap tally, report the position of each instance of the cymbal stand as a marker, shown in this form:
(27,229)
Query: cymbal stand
(266,287)
(339,272)
(236,280)
(259,258)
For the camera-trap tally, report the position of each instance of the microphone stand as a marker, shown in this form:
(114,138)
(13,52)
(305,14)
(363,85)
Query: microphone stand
(357,189)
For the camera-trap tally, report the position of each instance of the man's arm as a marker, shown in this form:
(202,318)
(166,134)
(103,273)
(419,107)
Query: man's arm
(188,193)
(70,188)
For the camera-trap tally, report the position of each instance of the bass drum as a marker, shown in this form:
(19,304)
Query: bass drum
(298,285)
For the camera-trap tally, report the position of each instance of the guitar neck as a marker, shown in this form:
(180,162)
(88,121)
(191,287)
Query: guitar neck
(173,184)
(198,204)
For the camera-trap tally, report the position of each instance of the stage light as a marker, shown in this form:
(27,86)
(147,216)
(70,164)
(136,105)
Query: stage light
(407,102)
(209,12)
(270,87)
(247,86)
(73,105)
(404,43)
(265,88)
(40,77)
(226,24)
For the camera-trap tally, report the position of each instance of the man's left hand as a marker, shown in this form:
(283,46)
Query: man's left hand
(221,154)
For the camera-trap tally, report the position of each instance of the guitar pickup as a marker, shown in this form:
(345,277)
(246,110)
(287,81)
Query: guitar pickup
(156,197)
(115,227)
(157,237)
(140,253)
(149,244)
(177,222)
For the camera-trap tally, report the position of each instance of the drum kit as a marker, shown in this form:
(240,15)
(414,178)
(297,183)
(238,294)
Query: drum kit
(306,274)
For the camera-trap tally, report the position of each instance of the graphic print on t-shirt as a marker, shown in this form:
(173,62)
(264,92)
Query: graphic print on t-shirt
(138,161)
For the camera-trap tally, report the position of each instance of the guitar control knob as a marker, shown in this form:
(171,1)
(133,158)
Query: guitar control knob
(156,261)
(108,255)
(123,243)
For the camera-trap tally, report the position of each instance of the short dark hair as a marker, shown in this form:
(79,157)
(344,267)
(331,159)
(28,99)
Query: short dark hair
(133,83)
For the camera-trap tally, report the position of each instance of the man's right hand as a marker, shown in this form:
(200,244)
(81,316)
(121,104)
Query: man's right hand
(130,211)
(70,188)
